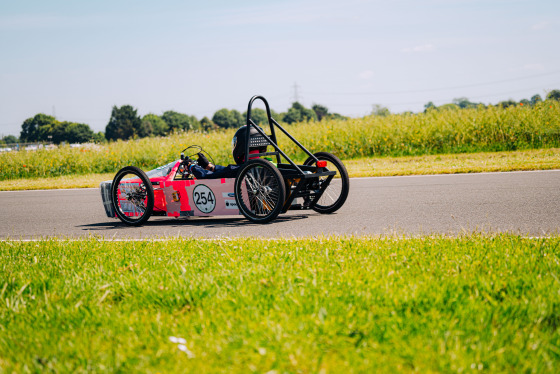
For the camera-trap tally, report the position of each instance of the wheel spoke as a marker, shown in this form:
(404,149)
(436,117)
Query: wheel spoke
(331,193)
(262,196)
(132,198)
(334,195)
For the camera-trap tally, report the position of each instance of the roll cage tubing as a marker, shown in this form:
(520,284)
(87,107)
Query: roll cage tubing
(272,139)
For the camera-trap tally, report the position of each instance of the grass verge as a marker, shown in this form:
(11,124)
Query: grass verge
(66,181)
(311,305)
(537,159)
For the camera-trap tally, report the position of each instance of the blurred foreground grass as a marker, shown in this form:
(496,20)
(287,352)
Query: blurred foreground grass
(429,304)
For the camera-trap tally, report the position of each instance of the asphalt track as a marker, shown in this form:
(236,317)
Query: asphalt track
(525,203)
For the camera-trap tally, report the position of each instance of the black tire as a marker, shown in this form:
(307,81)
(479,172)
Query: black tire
(135,206)
(336,193)
(259,191)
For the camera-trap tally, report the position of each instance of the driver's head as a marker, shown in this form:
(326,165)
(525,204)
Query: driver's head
(239,144)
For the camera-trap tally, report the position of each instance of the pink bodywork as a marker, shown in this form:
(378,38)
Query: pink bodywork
(175,197)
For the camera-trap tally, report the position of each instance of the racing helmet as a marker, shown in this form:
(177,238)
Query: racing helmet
(239,144)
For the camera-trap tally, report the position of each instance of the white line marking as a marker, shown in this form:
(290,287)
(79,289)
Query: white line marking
(452,174)
(57,189)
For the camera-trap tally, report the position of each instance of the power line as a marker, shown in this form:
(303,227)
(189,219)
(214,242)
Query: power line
(441,88)
(472,97)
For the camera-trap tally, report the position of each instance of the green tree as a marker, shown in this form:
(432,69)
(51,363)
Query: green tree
(507,103)
(156,123)
(337,116)
(553,95)
(58,132)
(47,128)
(195,123)
(379,110)
(99,137)
(258,116)
(321,111)
(78,133)
(207,125)
(71,132)
(299,113)
(221,118)
(293,116)
(536,99)
(228,118)
(146,129)
(37,128)
(123,124)
(448,107)
(179,121)
(237,118)
(429,106)
(10,139)
(463,103)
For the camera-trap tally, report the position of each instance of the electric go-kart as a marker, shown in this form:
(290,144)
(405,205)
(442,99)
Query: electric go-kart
(260,191)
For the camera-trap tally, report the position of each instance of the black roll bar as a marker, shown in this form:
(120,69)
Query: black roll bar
(272,139)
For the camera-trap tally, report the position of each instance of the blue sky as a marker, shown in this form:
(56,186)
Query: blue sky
(78,59)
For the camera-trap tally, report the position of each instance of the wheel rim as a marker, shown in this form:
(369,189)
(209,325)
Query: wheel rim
(334,190)
(131,197)
(259,192)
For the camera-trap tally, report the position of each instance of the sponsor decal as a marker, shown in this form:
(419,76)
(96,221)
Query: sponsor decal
(204,199)
(231,204)
(175,195)
(227,194)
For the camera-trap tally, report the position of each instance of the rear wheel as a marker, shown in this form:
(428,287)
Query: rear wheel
(132,195)
(336,192)
(259,191)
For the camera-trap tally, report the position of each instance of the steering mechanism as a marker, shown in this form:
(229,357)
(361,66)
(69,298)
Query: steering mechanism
(198,149)
(190,158)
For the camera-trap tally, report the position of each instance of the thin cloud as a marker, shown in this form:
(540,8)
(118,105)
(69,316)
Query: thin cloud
(419,48)
(53,21)
(282,14)
(528,67)
(540,26)
(366,74)
(28,21)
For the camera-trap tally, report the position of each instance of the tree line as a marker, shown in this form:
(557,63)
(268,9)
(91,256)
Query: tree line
(125,123)
(44,128)
(464,103)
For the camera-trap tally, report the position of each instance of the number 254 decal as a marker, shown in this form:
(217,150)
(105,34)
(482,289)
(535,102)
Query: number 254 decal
(204,198)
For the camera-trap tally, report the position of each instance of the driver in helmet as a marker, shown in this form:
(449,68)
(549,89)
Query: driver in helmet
(204,169)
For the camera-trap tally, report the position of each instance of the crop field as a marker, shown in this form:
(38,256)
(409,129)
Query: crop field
(491,129)
(532,159)
(427,304)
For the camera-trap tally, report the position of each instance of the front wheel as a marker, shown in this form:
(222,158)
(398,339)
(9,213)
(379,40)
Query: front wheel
(132,195)
(259,191)
(336,192)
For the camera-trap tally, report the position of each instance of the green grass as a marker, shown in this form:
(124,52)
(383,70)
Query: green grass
(490,129)
(533,159)
(311,305)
